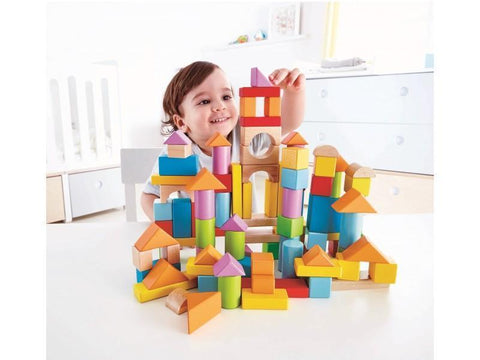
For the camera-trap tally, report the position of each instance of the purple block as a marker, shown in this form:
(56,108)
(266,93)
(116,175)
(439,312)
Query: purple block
(221,159)
(292,203)
(235,223)
(178,138)
(257,79)
(228,266)
(197,250)
(204,204)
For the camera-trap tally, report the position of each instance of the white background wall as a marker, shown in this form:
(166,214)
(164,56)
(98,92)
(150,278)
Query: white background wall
(149,42)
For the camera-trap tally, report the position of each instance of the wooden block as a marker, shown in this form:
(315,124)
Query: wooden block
(319,287)
(321,215)
(316,271)
(235,244)
(271,91)
(190,242)
(364,250)
(290,227)
(226,180)
(237,207)
(355,170)
(360,184)
(142,260)
(163,274)
(166,190)
(247,200)
(248,133)
(207,283)
(294,179)
(162,211)
(182,218)
(294,158)
(141,274)
(296,288)
(262,263)
(235,223)
(337,185)
(292,203)
(291,249)
(383,273)
(263,284)
(332,248)
(205,180)
(316,238)
(338,285)
(325,166)
(248,106)
(170,180)
(316,256)
(326,151)
(276,301)
(227,266)
(176,166)
(153,238)
(171,254)
(350,269)
(222,208)
(208,256)
(271,156)
(321,185)
(257,79)
(231,289)
(178,138)
(194,269)
(294,139)
(202,307)
(217,139)
(272,106)
(205,232)
(204,204)
(261,236)
(179,151)
(350,229)
(260,121)
(271,247)
(221,159)
(143,294)
(260,219)
(177,301)
(271,197)
(271,170)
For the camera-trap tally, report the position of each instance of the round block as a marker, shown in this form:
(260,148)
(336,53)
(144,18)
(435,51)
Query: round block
(292,203)
(231,289)
(291,249)
(221,159)
(235,244)
(205,232)
(204,204)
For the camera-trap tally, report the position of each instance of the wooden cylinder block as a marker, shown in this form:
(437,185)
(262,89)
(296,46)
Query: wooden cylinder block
(204,204)
(221,159)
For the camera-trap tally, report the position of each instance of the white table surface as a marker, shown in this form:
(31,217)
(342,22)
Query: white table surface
(93,314)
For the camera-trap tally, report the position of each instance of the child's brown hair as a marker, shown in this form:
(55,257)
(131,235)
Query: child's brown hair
(182,83)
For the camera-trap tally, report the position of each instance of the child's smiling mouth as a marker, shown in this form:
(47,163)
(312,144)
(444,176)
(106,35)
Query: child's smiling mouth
(219,120)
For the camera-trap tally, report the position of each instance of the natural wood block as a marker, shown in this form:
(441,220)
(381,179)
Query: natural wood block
(167,190)
(271,156)
(179,151)
(260,220)
(248,133)
(177,301)
(271,170)
(142,260)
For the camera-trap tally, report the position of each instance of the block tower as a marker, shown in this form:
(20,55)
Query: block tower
(254,121)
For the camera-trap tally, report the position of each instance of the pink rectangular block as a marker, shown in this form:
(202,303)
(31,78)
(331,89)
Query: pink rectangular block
(171,253)
(204,204)
(221,159)
(292,203)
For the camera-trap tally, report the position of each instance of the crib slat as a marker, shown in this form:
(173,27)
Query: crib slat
(66,119)
(114,110)
(99,117)
(85,146)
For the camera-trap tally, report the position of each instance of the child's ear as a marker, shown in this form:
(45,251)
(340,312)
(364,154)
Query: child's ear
(179,123)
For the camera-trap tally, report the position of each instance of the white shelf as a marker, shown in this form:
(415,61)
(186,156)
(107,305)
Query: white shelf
(257,43)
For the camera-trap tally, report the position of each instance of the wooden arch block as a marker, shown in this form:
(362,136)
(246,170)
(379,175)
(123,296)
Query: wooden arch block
(248,133)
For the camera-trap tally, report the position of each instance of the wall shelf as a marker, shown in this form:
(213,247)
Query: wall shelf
(257,43)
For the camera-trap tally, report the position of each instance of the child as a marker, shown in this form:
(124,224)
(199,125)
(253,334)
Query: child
(199,101)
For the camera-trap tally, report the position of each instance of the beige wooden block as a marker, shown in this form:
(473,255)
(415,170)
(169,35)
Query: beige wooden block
(271,170)
(260,220)
(166,190)
(248,106)
(271,156)
(357,171)
(179,151)
(249,132)
(257,236)
(177,301)
(171,253)
(142,260)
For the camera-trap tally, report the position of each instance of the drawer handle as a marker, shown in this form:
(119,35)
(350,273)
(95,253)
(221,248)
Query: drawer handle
(395,190)
(399,140)
(323,93)
(403,91)
(98,184)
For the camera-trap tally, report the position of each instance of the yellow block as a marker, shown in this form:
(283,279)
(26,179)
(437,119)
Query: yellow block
(350,269)
(271,197)
(248,106)
(193,269)
(325,166)
(272,106)
(247,200)
(171,180)
(276,301)
(333,236)
(383,273)
(360,184)
(143,294)
(237,189)
(294,158)
(320,271)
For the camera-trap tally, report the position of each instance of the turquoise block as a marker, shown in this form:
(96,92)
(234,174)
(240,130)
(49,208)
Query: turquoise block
(246,262)
(350,229)
(222,208)
(178,266)
(319,287)
(207,283)
(182,218)
(291,249)
(178,166)
(294,179)
(141,274)
(282,239)
(321,215)
(162,212)
(315,238)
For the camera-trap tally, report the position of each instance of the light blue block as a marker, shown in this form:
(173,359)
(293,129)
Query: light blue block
(280,243)
(141,274)
(291,249)
(294,179)
(321,215)
(182,218)
(222,208)
(319,287)
(188,166)
(315,238)
(246,262)
(207,283)
(350,229)
(161,211)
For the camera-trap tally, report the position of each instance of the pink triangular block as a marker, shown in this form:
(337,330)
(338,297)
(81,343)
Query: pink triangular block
(257,79)
(178,138)
(248,250)
(228,266)
(235,223)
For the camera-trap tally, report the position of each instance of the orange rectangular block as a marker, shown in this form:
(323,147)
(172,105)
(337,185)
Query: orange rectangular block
(272,106)
(263,284)
(262,263)
(247,106)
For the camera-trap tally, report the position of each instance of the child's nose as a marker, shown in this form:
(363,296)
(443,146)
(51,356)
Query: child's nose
(219,105)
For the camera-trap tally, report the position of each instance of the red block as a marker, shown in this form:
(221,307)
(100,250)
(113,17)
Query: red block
(271,91)
(219,232)
(321,185)
(246,282)
(225,179)
(332,247)
(166,225)
(261,121)
(296,288)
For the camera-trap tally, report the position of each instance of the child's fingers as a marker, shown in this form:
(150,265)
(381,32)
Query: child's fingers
(299,82)
(292,76)
(279,76)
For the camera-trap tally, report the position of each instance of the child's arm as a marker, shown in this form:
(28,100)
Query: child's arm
(146,201)
(293,99)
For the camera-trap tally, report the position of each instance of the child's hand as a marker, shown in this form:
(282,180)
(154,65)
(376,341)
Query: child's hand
(288,80)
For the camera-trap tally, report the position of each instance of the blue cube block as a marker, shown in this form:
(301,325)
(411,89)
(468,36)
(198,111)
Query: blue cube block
(222,208)
(246,262)
(161,211)
(316,238)
(320,215)
(188,166)
(141,274)
(207,283)
(294,179)
(182,218)
(319,287)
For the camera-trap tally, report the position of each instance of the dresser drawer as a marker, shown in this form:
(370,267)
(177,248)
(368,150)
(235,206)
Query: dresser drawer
(402,98)
(95,191)
(395,147)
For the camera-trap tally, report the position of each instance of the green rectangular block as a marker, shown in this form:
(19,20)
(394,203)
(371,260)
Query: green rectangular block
(204,232)
(290,227)
(337,185)
(271,247)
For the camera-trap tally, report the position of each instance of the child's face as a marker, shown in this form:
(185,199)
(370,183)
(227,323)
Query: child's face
(208,108)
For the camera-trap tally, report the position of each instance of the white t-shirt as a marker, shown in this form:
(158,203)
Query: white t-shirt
(259,145)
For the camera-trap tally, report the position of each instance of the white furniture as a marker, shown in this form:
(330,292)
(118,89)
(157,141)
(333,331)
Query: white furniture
(93,314)
(380,120)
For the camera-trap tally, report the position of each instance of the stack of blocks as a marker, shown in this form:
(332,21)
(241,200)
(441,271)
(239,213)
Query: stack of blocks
(228,272)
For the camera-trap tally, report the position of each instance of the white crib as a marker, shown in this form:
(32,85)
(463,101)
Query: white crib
(83,140)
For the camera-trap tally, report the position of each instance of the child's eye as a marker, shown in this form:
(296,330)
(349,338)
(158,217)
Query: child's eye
(204,102)
(227,97)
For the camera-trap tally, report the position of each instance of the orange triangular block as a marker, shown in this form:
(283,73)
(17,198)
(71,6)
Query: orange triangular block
(205,180)
(353,202)
(163,274)
(153,238)
(341,164)
(294,138)
(202,307)
(364,250)
(316,257)
(217,140)
(208,256)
